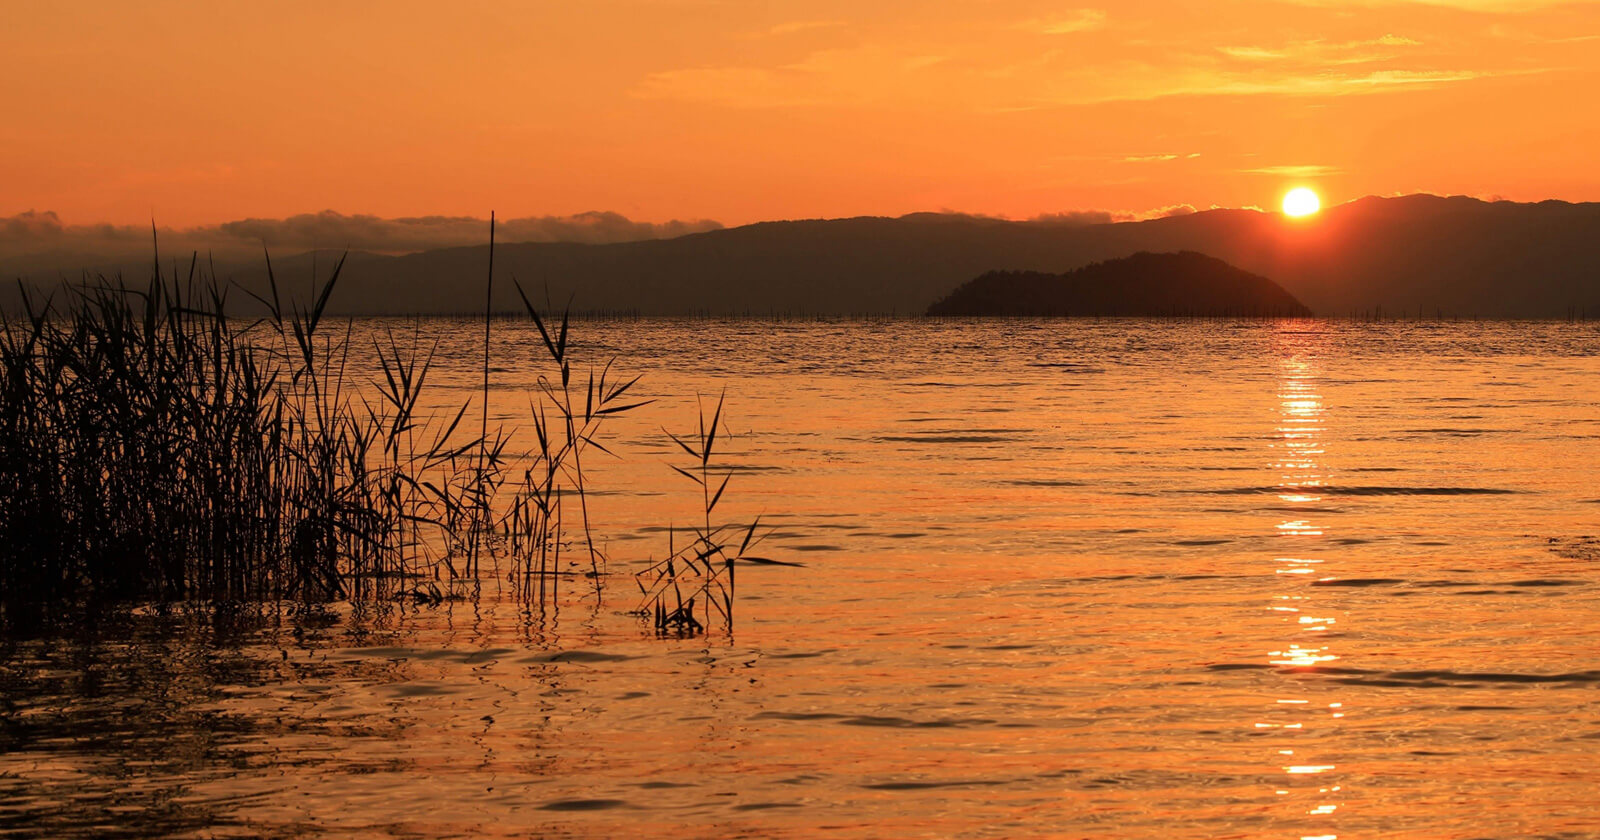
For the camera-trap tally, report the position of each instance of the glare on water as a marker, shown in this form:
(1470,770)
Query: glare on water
(1080,579)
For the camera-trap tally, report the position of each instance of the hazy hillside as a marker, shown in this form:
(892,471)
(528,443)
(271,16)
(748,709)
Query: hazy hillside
(1459,256)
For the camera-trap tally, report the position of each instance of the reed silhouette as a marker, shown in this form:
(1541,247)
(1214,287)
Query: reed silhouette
(700,571)
(155,449)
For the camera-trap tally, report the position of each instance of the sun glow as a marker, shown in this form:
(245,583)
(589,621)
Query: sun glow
(1301,201)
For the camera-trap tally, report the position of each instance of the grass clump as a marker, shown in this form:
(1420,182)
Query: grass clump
(156,449)
(695,580)
(153,448)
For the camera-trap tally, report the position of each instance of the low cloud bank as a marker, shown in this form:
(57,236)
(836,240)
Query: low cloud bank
(1106,217)
(37,240)
(1071,218)
(371,233)
(38,243)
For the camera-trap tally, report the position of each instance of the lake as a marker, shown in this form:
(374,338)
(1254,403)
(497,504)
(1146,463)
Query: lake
(1294,579)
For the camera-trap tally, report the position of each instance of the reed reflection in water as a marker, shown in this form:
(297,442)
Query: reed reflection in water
(1059,577)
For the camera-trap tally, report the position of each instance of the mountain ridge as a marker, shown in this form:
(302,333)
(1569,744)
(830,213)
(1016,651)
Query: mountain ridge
(1454,256)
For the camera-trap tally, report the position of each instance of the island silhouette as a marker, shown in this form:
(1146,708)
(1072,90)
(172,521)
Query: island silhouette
(1182,284)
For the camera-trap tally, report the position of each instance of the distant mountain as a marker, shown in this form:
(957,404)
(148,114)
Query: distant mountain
(1451,256)
(1146,284)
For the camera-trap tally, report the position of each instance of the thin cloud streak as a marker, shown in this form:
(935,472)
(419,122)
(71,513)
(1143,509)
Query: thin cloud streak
(924,77)
(1485,6)
(1302,171)
(1079,20)
(1348,52)
(792,27)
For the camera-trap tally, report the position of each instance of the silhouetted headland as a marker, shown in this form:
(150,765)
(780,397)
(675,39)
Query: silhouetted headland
(1183,284)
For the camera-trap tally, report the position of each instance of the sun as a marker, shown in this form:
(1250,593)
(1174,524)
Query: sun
(1301,201)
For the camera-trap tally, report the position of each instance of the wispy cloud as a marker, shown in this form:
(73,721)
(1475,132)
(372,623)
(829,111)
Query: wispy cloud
(1161,158)
(1323,52)
(1297,171)
(1077,20)
(1417,77)
(1486,6)
(1324,83)
(1253,53)
(795,26)
(942,76)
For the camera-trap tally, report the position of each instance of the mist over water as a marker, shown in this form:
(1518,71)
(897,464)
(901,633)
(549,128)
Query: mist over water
(1062,578)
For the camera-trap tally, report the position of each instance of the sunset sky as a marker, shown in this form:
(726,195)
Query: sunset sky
(738,111)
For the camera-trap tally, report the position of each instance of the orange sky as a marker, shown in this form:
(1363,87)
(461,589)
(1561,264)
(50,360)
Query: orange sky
(202,112)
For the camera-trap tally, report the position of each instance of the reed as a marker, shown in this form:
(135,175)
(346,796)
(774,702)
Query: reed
(155,449)
(567,421)
(696,580)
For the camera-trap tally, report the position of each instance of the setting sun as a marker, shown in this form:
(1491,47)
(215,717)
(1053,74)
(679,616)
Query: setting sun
(850,221)
(1301,201)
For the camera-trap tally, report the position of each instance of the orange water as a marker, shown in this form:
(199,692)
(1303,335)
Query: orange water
(1080,579)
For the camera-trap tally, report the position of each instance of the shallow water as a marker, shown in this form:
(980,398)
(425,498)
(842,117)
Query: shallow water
(1062,579)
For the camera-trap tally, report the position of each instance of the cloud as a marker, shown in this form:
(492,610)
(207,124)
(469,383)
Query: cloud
(742,87)
(795,26)
(1416,77)
(1490,6)
(30,227)
(1066,218)
(39,241)
(942,76)
(1080,218)
(1302,171)
(1078,20)
(1170,210)
(329,229)
(1252,53)
(1328,83)
(1318,52)
(1156,158)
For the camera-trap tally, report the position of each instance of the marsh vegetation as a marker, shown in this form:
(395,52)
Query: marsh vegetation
(156,447)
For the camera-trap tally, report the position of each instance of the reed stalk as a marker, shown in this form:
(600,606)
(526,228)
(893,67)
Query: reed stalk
(156,449)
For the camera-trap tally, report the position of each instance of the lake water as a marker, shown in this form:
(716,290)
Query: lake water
(1120,579)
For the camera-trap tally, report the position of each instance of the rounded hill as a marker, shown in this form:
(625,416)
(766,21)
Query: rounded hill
(1182,284)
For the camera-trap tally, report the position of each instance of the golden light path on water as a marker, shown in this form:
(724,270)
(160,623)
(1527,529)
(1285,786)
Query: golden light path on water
(1310,790)
(1111,580)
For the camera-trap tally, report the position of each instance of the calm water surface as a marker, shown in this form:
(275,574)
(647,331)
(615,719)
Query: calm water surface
(1062,579)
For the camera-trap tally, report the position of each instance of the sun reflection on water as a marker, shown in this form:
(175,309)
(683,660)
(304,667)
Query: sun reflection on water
(1298,444)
